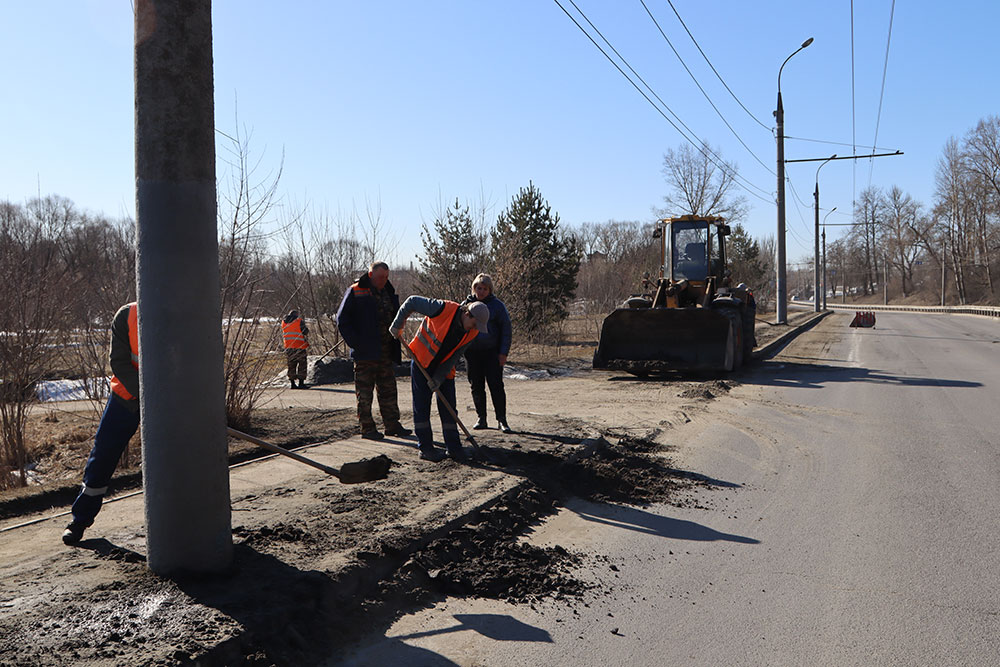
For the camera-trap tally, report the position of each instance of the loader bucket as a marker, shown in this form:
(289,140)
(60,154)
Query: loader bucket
(651,340)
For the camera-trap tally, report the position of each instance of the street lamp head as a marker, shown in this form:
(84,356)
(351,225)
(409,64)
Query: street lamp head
(804,45)
(821,166)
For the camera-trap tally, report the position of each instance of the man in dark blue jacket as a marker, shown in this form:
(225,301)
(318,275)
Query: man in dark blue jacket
(364,316)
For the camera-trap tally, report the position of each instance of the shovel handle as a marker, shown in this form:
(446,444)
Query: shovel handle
(281,450)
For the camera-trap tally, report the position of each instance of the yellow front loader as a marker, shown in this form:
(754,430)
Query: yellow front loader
(689,318)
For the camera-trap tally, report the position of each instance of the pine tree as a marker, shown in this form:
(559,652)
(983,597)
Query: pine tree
(744,258)
(455,252)
(536,263)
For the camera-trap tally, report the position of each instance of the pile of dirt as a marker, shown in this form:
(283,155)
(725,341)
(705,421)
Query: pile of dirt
(706,390)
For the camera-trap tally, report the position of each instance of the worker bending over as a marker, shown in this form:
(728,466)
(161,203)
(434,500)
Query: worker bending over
(446,330)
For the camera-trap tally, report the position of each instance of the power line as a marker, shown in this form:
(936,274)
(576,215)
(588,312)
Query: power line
(798,209)
(881,95)
(854,132)
(703,146)
(832,143)
(695,79)
(713,67)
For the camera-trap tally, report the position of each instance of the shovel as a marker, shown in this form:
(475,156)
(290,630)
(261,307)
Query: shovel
(355,472)
(479,452)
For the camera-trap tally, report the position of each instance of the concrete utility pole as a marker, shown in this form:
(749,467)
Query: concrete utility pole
(184,446)
(885,278)
(816,304)
(824,257)
(781,288)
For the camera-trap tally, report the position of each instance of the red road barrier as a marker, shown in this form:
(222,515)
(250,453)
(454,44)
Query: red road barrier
(863,319)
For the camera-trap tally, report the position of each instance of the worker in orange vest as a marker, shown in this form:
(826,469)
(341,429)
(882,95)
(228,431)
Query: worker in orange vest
(294,332)
(447,329)
(119,422)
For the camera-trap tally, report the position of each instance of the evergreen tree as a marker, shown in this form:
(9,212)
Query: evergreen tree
(455,252)
(536,263)
(744,258)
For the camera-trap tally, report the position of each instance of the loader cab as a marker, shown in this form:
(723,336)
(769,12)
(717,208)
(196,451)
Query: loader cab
(694,247)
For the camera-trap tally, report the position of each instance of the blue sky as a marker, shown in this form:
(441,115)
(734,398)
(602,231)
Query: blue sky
(408,104)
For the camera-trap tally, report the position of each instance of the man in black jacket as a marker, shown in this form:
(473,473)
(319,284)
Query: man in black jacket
(364,316)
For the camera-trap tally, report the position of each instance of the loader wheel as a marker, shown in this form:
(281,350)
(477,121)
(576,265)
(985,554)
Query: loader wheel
(734,353)
(749,338)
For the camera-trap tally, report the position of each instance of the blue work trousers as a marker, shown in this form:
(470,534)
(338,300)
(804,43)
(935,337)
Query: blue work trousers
(118,425)
(422,395)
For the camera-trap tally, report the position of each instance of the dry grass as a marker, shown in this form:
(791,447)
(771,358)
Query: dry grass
(574,338)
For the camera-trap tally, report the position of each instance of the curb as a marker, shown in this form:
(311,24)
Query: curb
(772,348)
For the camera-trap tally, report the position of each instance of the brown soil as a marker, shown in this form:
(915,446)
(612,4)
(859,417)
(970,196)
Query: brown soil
(316,559)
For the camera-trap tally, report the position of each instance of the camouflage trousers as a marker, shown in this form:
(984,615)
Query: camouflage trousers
(297,357)
(368,377)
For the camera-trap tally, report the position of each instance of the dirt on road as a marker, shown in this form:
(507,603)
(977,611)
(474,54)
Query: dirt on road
(315,559)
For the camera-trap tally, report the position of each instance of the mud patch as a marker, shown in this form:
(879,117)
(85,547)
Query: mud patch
(707,390)
(484,558)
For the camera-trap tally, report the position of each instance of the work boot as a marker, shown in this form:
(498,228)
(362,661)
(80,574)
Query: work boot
(73,533)
(457,454)
(504,427)
(480,424)
(373,434)
(293,384)
(432,454)
(398,430)
(303,385)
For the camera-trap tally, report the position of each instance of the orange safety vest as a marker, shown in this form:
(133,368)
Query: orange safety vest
(293,337)
(133,341)
(427,341)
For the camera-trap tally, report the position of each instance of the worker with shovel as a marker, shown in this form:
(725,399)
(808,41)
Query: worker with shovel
(446,330)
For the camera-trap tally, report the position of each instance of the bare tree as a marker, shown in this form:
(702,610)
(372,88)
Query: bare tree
(378,240)
(36,300)
(982,148)
(701,183)
(246,208)
(868,213)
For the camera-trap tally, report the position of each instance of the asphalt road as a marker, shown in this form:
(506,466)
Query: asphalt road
(853,522)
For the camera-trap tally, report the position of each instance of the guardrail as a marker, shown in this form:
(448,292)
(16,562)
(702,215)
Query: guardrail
(988,311)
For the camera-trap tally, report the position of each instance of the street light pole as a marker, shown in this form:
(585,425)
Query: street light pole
(816,307)
(781,289)
(824,255)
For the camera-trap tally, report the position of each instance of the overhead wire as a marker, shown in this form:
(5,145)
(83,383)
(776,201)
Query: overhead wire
(832,143)
(854,133)
(766,127)
(701,146)
(695,79)
(798,209)
(881,95)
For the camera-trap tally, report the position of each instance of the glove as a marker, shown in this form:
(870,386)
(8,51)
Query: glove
(432,385)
